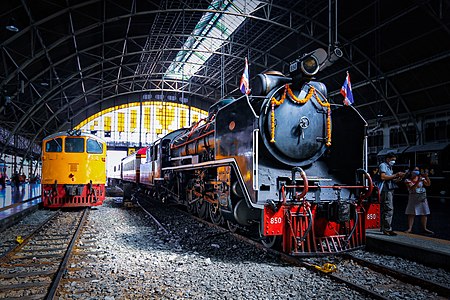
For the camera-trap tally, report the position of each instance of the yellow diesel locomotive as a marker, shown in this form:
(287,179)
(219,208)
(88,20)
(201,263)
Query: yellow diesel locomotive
(73,170)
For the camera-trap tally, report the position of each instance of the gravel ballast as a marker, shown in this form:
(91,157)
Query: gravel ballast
(123,254)
(137,260)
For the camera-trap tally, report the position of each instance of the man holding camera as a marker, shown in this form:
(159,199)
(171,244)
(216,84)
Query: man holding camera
(387,192)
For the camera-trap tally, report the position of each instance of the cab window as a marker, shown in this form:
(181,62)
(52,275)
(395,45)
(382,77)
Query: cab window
(150,153)
(74,145)
(54,145)
(155,152)
(94,146)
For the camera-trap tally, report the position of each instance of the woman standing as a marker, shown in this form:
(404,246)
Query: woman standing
(417,200)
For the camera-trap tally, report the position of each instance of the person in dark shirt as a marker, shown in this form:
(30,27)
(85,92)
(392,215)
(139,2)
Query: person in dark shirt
(2,181)
(387,192)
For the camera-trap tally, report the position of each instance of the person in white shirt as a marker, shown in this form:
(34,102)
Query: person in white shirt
(417,199)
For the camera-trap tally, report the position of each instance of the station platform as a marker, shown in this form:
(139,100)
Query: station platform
(432,250)
(16,202)
(423,249)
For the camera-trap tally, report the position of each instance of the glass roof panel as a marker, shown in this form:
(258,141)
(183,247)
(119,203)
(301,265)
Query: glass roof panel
(210,33)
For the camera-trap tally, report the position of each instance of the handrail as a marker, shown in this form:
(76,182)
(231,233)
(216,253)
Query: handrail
(192,140)
(370,185)
(305,182)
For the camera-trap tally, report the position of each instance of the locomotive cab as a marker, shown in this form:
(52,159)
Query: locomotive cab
(73,170)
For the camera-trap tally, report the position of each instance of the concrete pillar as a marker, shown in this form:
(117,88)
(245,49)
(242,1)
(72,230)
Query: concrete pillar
(386,136)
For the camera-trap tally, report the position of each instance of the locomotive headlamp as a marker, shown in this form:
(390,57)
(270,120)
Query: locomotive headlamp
(308,65)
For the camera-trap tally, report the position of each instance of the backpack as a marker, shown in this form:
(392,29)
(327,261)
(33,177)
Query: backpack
(376,179)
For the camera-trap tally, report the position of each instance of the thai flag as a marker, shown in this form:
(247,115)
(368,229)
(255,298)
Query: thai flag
(244,86)
(346,91)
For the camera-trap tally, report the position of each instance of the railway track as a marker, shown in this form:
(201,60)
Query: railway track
(371,279)
(394,281)
(154,219)
(20,230)
(34,268)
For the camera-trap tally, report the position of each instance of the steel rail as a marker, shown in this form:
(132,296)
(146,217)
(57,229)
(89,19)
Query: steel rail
(63,266)
(402,276)
(17,247)
(153,218)
(295,261)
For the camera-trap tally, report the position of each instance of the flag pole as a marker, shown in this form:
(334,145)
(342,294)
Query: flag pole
(251,107)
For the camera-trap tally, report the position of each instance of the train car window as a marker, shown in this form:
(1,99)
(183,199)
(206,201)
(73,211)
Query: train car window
(93,146)
(54,145)
(150,153)
(156,152)
(74,145)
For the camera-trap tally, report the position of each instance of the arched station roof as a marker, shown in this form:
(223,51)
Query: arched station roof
(70,59)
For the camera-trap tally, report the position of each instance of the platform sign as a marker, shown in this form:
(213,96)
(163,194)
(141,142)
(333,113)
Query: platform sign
(131,151)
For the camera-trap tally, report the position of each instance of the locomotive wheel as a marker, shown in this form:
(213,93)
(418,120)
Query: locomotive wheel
(154,194)
(269,241)
(202,209)
(215,214)
(127,192)
(233,227)
(191,207)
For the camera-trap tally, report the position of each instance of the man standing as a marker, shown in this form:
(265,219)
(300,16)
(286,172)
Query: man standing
(387,192)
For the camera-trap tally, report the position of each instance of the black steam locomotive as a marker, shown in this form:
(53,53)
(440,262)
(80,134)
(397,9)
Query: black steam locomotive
(275,161)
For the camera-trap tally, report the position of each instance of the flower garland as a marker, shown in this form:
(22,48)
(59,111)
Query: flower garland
(312,91)
(272,114)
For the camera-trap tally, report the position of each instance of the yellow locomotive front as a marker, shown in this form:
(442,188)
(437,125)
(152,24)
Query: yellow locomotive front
(73,170)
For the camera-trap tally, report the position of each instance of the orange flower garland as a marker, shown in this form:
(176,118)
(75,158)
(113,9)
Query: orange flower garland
(272,123)
(272,114)
(328,143)
(311,92)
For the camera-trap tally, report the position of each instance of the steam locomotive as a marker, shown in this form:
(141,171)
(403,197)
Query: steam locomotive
(274,161)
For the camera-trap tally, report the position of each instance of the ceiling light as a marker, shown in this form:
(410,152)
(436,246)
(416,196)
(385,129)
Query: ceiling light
(11,26)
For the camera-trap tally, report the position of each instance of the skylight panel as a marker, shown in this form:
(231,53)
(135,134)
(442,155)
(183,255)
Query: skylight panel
(209,35)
